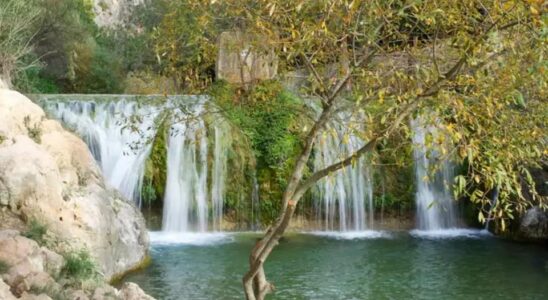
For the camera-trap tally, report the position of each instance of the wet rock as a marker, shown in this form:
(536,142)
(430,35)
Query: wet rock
(534,224)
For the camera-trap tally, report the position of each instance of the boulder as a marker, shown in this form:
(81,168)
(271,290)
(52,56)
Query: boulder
(29,264)
(5,293)
(78,295)
(105,292)
(35,297)
(534,224)
(131,291)
(244,59)
(49,175)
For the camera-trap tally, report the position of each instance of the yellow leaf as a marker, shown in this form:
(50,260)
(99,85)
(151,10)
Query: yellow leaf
(476,178)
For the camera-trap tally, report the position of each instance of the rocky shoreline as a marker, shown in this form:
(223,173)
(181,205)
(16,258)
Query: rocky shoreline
(56,209)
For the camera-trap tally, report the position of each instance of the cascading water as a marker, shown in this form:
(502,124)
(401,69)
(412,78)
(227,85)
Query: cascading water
(185,200)
(186,205)
(222,145)
(435,205)
(119,149)
(255,208)
(345,199)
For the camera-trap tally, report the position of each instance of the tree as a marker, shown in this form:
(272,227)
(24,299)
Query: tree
(17,18)
(392,60)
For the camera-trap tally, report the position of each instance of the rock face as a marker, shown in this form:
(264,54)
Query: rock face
(534,224)
(29,271)
(48,175)
(241,59)
(113,13)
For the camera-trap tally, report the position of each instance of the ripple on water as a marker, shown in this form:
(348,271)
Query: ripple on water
(189,238)
(351,235)
(450,233)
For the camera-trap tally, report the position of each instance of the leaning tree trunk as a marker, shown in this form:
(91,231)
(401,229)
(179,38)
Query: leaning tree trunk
(256,286)
(255,283)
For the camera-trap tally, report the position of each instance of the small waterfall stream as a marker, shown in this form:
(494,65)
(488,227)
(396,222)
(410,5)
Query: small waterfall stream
(344,200)
(435,205)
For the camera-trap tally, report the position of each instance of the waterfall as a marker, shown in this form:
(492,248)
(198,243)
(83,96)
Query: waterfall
(435,205)
(255,208)
(120,150)
(222,145)
(344,200)
(185,200)
(194,191)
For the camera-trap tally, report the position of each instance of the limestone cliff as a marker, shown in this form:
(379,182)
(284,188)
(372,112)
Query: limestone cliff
(47,174)
(113,13)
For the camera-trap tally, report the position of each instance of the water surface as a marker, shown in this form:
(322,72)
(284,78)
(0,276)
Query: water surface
(360,266)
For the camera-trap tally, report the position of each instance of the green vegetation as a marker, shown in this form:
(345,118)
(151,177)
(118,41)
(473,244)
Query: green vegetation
(16,30)
(395,60)
(54,292)
(79,266)
(269,117)
(389,61)
(36,231)
(4,267)
(54,46)
(154,180)
(34,131)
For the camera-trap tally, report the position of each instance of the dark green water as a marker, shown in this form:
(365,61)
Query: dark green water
(399,266)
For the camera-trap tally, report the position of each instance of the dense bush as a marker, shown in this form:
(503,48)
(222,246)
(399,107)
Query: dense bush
(54,46)
(79,266)
(267,114)
(17,19)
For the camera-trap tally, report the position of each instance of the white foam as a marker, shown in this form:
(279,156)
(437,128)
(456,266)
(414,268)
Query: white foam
(450,233)
(351,235)
(189,238)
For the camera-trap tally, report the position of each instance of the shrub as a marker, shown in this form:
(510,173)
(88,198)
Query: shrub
(17,17)
(33,81)
(36,232)
(34,131)
(79,265)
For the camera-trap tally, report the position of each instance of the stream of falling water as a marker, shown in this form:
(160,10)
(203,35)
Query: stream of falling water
(435,205)
(120,151)
(344,200)
(197,153)
(192,201)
